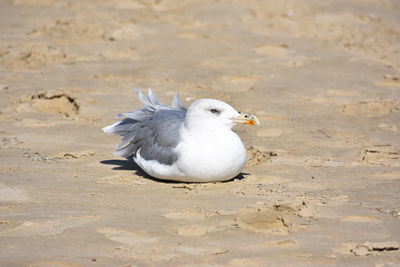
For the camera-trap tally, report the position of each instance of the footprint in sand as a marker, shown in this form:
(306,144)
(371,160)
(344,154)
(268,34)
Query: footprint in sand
(276,220)
(202,225)
(193,215)
(374,108)
(384,155)
(263,220)
(59,103)
(32,55)
(368,248)
(129,238)
(257,157)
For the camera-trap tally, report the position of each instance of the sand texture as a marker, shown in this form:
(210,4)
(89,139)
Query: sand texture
(322,184)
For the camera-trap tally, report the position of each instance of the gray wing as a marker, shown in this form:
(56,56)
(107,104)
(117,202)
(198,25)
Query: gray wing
(154,130)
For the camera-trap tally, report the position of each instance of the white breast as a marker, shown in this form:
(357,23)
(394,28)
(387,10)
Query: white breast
(210,155)
(204,156)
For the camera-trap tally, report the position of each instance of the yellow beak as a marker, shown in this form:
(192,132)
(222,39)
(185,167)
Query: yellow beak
(246,118)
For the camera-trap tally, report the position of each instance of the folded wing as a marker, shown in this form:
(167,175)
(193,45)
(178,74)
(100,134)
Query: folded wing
(153,129)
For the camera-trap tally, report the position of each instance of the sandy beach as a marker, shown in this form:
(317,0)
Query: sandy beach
(322,182)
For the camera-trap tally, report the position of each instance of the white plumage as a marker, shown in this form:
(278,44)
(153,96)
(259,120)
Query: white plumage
(170,143)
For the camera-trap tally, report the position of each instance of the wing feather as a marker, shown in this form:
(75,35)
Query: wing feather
(154,130)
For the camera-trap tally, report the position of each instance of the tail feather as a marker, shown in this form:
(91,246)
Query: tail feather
(138,115)
(126,127)
(121,127)
(125,152)
(110,128)
(177,103)
(153,98)
(149,101)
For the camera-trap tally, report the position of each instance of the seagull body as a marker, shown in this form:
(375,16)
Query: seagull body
(187,145)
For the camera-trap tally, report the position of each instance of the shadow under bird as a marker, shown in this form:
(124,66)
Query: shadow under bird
(196,144)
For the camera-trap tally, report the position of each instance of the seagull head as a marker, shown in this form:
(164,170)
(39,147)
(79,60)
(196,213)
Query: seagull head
(211,113)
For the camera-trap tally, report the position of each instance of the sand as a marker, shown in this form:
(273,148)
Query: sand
(322,183)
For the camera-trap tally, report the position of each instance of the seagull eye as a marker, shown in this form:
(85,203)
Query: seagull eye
(215,111)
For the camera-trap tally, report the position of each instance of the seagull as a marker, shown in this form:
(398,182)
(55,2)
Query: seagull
(194,145)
